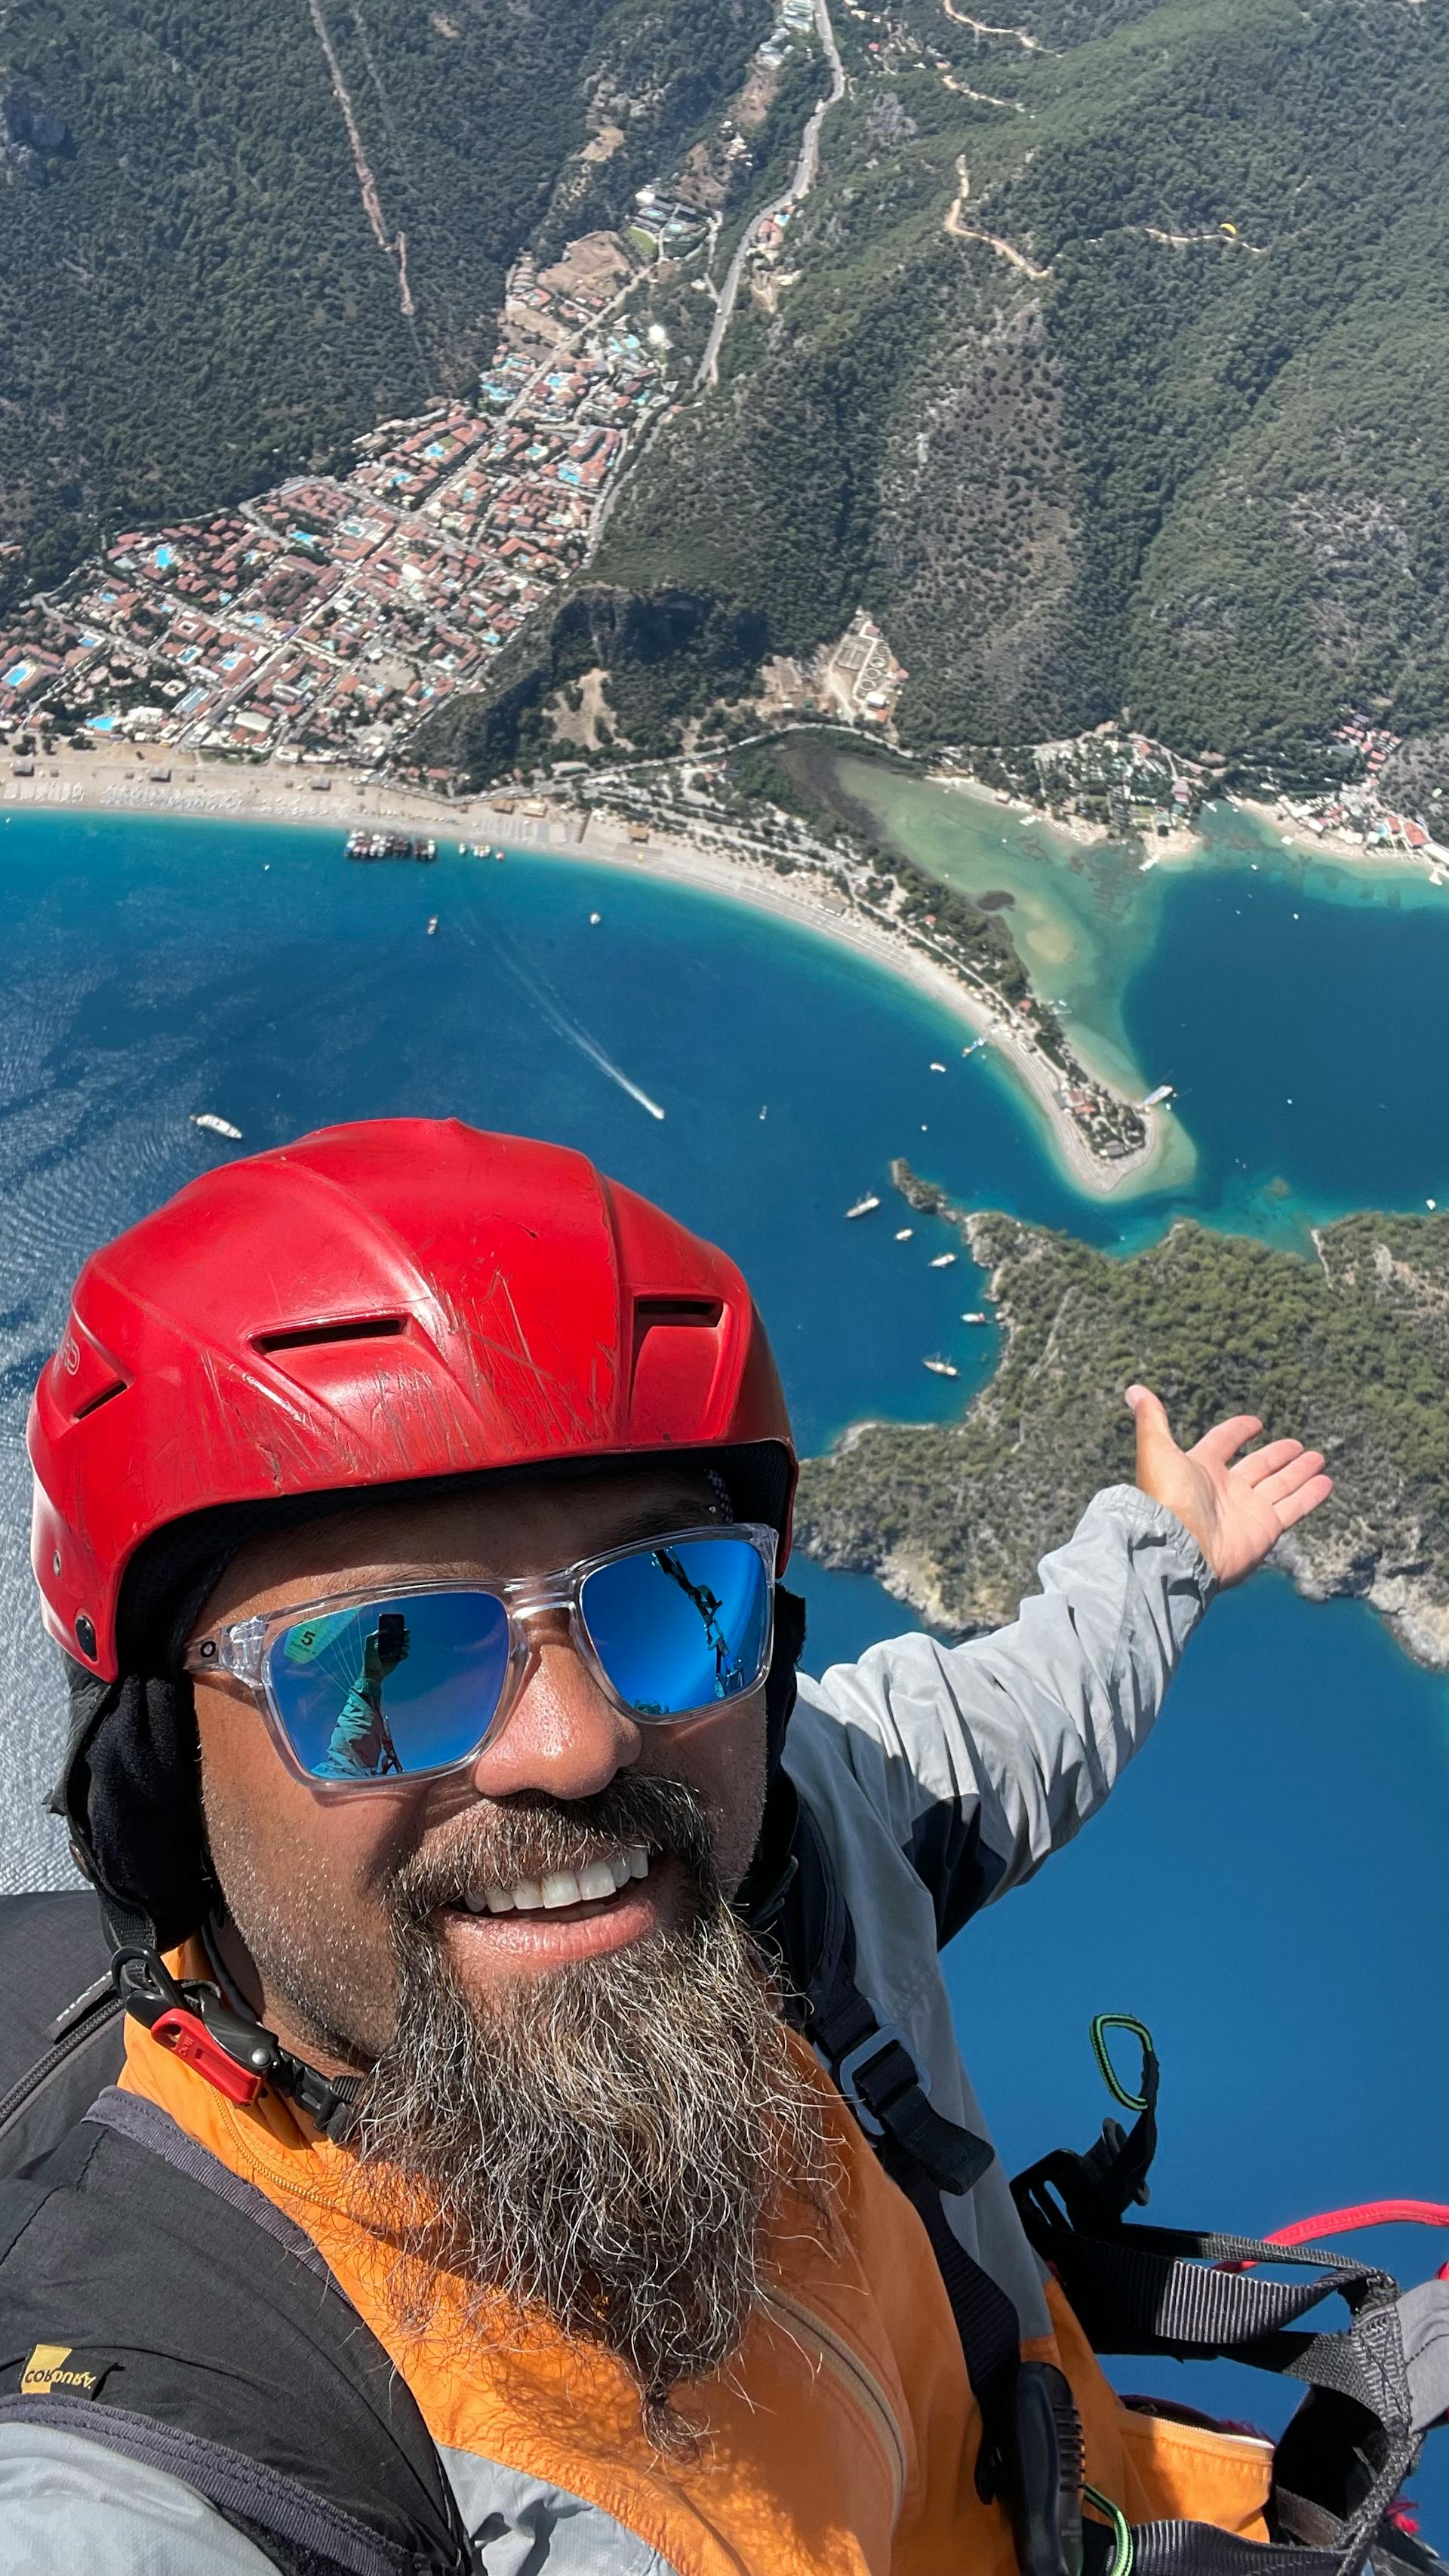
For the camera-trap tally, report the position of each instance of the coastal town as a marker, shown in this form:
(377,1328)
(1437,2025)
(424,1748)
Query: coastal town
(320,623)
(303,637)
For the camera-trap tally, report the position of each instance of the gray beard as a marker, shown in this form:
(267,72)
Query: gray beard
(609,2145)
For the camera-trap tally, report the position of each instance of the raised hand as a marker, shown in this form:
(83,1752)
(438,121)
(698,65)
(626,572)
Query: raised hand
(1236,1507)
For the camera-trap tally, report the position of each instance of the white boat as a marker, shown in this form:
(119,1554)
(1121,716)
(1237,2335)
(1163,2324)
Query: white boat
(937,1068)
(976,1315)
(1155,1099)
(976,1046)
(904,1233)
(865,1206)
(594,920)
(942,1260)
(215,1126)
(941,1368)
(432,925)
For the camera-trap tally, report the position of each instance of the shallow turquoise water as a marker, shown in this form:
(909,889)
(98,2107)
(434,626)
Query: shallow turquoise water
(1268,1888)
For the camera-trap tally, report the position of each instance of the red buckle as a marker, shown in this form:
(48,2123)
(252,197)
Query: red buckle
(186,2035)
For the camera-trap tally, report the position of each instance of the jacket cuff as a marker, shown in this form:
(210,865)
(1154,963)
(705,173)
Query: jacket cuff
(1139,1518)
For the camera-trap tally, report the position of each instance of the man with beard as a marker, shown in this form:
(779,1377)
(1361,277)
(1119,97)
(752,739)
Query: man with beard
(541,2145)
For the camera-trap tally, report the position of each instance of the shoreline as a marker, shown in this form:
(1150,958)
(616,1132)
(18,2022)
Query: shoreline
(95,782)
(1383,858)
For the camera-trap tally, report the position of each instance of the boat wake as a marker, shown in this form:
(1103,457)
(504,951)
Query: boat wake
(558,1019)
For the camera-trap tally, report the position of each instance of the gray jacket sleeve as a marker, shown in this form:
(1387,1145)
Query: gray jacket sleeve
(983,1758)
(70,2508)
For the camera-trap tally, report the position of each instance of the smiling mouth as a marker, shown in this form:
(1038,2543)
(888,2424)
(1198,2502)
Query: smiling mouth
(598,1883)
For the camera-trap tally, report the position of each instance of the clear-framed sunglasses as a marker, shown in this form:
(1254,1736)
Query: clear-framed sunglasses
(410,1681)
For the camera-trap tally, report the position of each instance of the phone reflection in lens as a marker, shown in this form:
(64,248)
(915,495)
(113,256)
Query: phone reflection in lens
(392,1688)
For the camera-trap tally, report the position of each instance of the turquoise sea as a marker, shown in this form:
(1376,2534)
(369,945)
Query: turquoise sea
(1268,1887)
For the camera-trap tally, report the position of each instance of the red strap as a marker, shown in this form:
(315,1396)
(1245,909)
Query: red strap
(1365,2213)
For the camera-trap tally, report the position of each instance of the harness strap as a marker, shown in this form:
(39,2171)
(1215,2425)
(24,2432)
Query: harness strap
(1031,2444)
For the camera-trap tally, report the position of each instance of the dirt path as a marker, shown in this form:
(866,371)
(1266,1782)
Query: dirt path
(367,185)
(957,226)
(983,97)
(1183,241)
(1019,35)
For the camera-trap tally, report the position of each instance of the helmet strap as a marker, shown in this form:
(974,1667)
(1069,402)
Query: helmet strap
(237,2056)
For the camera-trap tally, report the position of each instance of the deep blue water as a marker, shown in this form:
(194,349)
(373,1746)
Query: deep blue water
(1308,1039)
(1268,1888)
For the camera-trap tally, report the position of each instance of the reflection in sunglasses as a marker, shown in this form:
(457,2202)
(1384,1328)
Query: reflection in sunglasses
(362,1747)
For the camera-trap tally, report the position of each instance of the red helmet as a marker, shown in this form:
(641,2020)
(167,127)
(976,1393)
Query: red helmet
(407,1297)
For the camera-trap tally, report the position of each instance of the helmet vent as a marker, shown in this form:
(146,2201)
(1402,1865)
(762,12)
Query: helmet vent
(102,1396)
(676,1357)
(309,1337)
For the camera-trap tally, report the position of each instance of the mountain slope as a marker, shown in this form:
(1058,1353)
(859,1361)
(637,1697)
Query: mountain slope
(1108,364)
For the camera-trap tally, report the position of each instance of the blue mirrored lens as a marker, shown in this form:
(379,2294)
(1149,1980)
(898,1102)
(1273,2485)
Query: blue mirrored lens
(681,1626)
(391,1687)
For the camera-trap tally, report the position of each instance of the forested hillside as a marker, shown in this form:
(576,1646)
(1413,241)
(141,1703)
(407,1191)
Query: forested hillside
(1108,365)
(233,236)
(1348,1349)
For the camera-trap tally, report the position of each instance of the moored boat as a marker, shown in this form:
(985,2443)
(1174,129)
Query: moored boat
(389,845)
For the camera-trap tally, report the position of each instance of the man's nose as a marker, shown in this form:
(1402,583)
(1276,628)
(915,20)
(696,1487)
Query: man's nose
(561,1734)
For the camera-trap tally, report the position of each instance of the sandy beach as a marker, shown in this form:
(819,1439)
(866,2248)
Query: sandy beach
(123,782)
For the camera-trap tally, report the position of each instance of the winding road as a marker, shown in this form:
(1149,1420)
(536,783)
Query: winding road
(807,168)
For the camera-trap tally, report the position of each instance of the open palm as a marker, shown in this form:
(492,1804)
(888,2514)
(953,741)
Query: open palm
(1235,1507)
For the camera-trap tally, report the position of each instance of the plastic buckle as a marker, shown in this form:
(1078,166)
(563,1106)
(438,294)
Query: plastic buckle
(864,2055)
(187,2037)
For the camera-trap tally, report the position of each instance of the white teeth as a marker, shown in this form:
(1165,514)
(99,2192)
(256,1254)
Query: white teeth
(588,1886)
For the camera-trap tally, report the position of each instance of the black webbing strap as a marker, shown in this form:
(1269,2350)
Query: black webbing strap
(879,2078)
(1030,2451)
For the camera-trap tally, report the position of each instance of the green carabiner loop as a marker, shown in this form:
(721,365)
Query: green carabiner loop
(1121,2528)
(1101,2024)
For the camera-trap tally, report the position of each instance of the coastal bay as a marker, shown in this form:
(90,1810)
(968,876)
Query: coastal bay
(111,780)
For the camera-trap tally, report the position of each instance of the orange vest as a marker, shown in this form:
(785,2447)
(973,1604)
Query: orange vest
(841,2442)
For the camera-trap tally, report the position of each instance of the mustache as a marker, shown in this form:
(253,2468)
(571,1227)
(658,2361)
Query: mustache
(531,1834)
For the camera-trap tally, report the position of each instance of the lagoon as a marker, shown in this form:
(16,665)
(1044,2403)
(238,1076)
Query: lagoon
(1295,1003)
(1268,1887)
